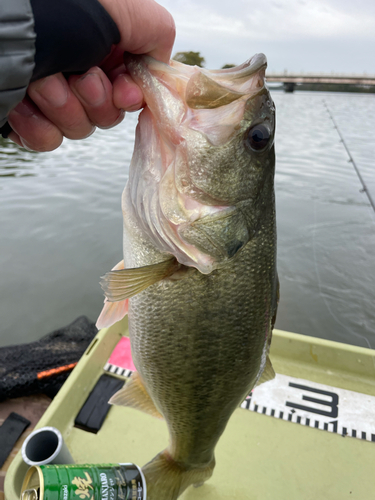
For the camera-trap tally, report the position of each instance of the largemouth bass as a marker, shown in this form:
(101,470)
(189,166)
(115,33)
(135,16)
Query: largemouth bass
(198,278)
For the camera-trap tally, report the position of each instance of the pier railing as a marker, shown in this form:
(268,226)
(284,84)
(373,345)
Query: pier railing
(290,80)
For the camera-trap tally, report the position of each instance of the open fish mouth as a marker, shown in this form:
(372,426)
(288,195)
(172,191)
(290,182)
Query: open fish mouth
(170,91)
(189,110)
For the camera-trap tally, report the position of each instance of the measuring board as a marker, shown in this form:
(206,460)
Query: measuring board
(295,400)
(315,405)
(117,370)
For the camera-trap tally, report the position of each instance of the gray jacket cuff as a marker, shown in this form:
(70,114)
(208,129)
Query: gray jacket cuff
(17,42)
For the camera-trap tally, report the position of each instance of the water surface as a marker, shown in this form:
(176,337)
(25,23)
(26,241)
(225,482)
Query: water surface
(61,223)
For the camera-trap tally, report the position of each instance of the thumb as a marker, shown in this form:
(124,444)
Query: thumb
(145,28)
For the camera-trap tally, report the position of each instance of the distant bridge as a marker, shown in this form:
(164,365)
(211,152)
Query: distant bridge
(290,80)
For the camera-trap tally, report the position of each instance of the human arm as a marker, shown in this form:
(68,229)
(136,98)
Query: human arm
(55,106)
(17,43)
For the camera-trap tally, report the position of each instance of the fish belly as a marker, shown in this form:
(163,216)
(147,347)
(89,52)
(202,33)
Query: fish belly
(199,342)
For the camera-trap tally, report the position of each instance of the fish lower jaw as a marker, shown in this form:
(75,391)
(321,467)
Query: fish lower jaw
(181,208)
(197,210)
(205,265)
(190,256)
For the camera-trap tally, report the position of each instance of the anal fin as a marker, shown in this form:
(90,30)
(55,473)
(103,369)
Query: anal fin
(135,395)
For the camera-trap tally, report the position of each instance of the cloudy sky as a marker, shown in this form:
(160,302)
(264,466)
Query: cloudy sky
(297,35)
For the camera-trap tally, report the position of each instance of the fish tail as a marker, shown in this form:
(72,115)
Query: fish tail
(166,479)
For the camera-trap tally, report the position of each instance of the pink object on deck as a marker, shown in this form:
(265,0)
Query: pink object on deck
(122,356)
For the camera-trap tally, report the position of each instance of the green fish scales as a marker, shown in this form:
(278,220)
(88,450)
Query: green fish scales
(200,230)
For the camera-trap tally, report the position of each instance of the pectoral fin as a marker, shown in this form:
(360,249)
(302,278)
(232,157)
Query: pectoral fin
(123,284)
(135,395)
(268,373)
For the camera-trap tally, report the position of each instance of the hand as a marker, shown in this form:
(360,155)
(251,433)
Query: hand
(55,107)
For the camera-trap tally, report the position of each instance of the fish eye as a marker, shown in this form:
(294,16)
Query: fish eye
(258,137)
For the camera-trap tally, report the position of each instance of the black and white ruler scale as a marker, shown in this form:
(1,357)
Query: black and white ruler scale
(320,406)
(303,402)
(117,370)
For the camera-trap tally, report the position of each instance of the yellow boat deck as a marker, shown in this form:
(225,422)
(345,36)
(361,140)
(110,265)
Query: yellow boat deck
(259,457)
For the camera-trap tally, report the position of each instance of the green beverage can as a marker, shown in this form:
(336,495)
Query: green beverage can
(84,482)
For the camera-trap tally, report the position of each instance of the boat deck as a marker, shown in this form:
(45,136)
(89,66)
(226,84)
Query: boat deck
(289,446)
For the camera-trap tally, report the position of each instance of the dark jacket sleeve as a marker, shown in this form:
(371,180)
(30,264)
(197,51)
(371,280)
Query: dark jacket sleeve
(71,37)
(17,49)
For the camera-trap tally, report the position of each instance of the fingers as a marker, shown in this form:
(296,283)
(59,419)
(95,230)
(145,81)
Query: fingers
(95,93)
(49,112)
(15,138)
(105,103)
(32,129)
(126,93)
(55,108)
(57,102)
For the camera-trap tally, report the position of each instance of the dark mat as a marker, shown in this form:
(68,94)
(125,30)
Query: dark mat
(92,414)
(10,432)
(42,367)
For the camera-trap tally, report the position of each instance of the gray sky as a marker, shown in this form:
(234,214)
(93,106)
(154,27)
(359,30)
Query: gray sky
(297,35)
